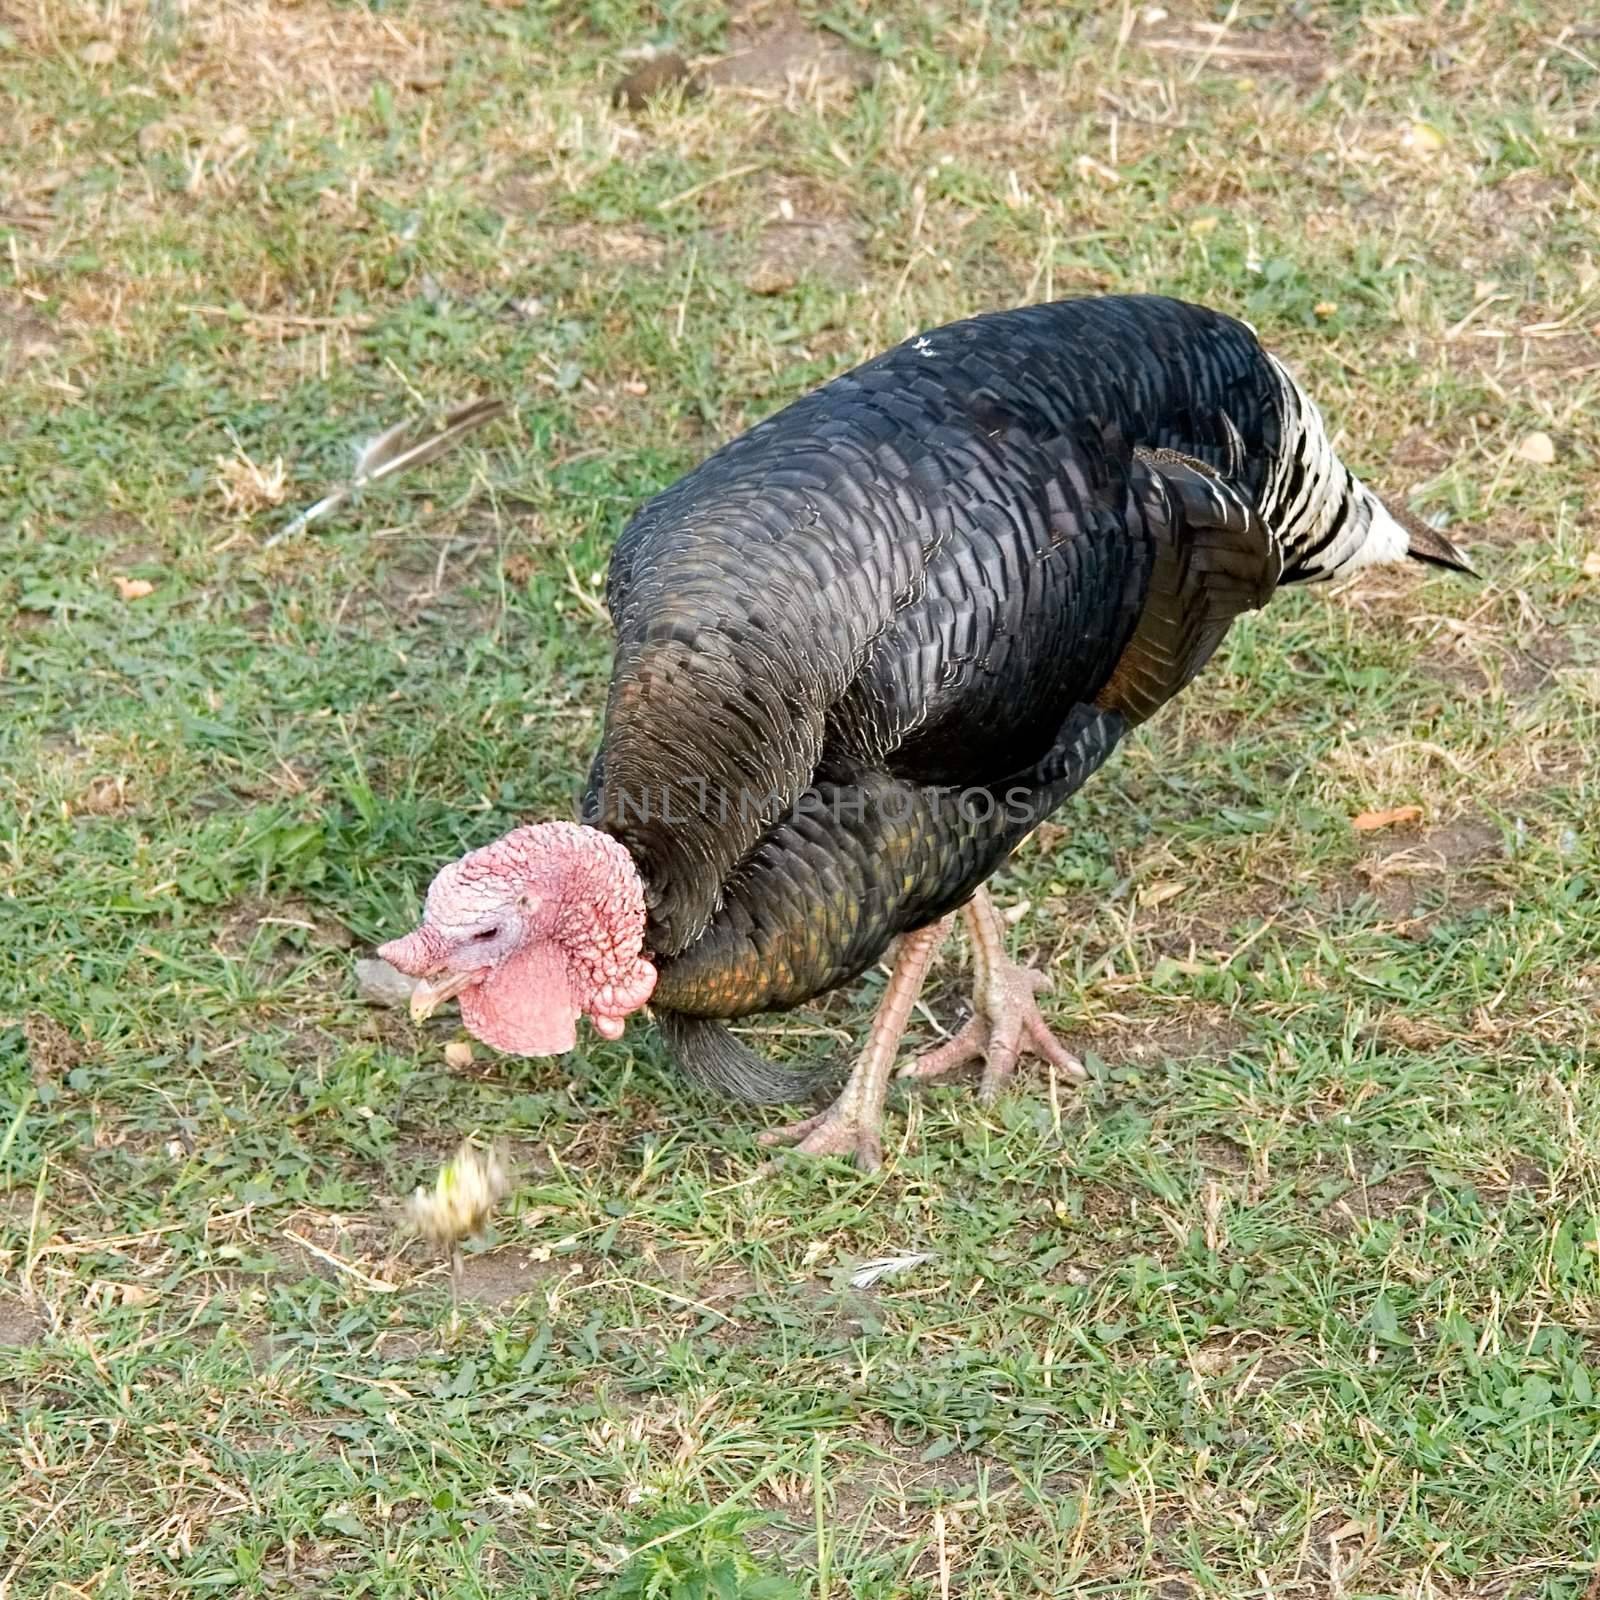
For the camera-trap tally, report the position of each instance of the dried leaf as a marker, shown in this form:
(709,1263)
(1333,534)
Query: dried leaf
(133,588)
(1591,564)
(1368,821)
(1424,138)
(1539,448)
(1161,891)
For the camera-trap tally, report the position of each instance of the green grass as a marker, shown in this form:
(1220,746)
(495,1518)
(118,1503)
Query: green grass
(1298,1298)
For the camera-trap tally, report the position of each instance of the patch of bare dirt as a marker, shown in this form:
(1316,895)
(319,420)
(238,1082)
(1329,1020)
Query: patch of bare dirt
(21,1327)
(26,336)
(1414,1033)
(1510,1175)
(52,1051)
(522,197)
(824,248)
(233,60)
(1405,872)
(894,1480)
(427,581)
(1105,1208)
(1197,1035)
(657,76)
(1520,345)
(1494,666)
(770,48)
(715,1287)
(1220,1154)
(1507,217)
(839,1315)
(496,1277)
(285,922)
(1228,918)
(1235,1356)
(1377,1202)
(1466,843)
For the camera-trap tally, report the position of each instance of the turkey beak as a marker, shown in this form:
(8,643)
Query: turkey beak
(432,992)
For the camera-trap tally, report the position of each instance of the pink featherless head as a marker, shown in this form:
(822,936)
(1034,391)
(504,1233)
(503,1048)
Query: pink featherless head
(533,931)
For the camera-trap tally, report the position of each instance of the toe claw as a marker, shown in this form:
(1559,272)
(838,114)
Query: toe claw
(965,1045)
(789,1133)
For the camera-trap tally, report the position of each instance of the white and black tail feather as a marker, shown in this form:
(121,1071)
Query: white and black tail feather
(1327,521)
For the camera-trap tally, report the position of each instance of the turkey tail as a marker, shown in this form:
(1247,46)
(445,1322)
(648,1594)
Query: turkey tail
(1428,544)
(715,1059)
(1328,522)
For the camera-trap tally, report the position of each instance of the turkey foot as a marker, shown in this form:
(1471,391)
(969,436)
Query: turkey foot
(844,1129)
(1006,1021)
(853,1124)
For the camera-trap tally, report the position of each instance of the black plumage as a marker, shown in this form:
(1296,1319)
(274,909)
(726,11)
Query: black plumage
(866,647)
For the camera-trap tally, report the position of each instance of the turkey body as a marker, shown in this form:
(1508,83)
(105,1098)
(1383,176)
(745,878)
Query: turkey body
(868,646)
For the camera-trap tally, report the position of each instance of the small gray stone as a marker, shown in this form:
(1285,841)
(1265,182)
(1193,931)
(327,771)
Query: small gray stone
(379,984)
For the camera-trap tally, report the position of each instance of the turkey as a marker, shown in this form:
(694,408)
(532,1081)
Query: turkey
(862,651)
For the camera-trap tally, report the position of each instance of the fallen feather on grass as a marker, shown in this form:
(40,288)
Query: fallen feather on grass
(393,451)
(881,1267)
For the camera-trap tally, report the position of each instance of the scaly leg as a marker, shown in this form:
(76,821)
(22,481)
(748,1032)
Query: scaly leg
(1006,1021)
(854,1122)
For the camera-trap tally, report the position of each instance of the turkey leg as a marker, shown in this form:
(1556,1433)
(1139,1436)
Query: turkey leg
(1006,1021)
(853,1124)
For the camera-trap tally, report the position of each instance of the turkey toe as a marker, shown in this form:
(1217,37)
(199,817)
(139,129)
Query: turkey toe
(1006,1021)
(835,1132)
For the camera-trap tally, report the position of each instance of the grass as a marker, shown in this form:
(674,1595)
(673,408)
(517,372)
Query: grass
(1298,1298)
